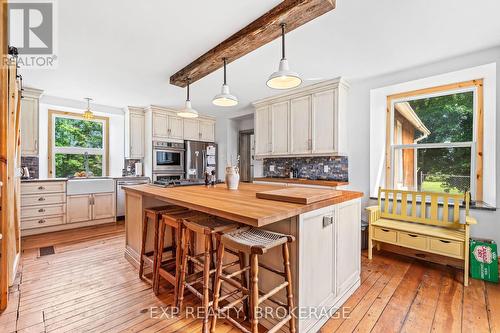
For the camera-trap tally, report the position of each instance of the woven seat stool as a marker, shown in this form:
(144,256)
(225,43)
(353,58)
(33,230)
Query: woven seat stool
(254,242)
(206,226)
(153,215)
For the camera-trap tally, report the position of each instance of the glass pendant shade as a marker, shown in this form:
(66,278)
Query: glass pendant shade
(225,98)
(188,111)
(284,78)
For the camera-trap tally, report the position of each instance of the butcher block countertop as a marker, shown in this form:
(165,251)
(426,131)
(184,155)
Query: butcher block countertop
(321,182)
(240,205)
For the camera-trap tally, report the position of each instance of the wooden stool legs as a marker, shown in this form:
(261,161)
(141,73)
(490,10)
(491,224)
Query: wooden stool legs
(254,292)
(218,284)
(143,245)
(289,288)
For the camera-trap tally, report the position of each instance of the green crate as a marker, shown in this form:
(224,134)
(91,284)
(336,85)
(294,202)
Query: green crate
(483,259)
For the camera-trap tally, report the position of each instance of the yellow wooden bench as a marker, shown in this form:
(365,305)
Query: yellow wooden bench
(399,219)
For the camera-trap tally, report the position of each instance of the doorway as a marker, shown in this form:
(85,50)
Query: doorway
(246,150)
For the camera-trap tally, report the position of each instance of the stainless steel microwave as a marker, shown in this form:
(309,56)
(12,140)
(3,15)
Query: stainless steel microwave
(168,156)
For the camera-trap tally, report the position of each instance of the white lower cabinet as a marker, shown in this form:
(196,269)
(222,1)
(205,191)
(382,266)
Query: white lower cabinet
(87,207)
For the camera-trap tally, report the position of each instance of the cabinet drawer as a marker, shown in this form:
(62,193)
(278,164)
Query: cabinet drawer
(447,247)
(412,240)
(42,222)
(43,187)
(385,235)
(43,210)
(43,199)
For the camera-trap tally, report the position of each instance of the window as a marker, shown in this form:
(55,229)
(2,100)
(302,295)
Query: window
(76,144)
(435,140)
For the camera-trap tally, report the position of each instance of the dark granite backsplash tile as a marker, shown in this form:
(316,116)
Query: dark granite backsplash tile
(32,163)
(131,163)
(309,167)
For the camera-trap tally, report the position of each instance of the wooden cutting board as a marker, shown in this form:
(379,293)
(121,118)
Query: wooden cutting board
(300,195)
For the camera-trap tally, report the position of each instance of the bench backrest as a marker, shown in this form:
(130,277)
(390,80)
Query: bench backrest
(422,207)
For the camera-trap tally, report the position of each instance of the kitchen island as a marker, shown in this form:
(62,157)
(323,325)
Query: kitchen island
(325,257)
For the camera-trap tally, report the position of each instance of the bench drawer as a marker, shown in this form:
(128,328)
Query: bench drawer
(412,240)
(447,247)
(43,199)
(42,222)
(40,211)
(385,235)
(42,187)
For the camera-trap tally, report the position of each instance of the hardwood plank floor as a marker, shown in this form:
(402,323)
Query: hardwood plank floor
(88,286)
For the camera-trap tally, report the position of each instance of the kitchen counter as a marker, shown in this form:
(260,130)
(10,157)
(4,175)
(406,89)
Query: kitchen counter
(62,179)
(240,205)
(304,181)
(43,180)
(325,258)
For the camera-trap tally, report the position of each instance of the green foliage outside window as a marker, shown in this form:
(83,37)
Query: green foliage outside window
(77,133)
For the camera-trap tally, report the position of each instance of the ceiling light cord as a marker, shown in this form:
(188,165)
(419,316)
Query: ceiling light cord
(188,80)
(225,62)
(283,25)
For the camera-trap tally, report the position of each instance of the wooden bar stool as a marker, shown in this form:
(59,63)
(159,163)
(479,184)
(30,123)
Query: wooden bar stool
(206,226)
(152,215)
(254,242)
(169,269)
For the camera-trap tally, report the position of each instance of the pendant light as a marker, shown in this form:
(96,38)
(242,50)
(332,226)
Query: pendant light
(284,78)
(225,98)
(88,113)
(188,111)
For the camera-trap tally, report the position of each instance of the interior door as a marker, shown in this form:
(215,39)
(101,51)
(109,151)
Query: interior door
(244,150)
(103,205)
(79,208)
(300,125)
(279,132)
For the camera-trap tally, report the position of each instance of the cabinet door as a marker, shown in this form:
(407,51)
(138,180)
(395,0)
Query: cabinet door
(279,132)
(191,129)
(262,131)
(317,262)
(324,121)
(207,130)
(136,136)
(300,125)
(160,125)
(175,127)
(79,208)
(347,227)
(29,127)
(103,205)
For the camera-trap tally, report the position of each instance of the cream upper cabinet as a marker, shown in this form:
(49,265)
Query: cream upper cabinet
(303,122)
(103,205)
(300,125)
(79,208)
(134,133)
(191,129)
(324,121)
(29,121)
(279,129)
(160,125)
(207,130)
(175,127)
(262,131)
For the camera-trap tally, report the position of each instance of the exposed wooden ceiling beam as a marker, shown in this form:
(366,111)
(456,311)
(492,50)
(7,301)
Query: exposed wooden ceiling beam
(260,32)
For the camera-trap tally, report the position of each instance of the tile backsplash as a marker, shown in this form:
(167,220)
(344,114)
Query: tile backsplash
(32,163)
(318,167)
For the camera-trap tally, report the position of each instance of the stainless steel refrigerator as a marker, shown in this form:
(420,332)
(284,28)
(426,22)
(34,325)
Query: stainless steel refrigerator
(200,157)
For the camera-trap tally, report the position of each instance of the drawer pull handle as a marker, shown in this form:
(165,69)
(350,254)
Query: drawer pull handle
(41,188)
(41,210)
(41,199)
(41,221)
(444,241)
(411,235)
(385,230)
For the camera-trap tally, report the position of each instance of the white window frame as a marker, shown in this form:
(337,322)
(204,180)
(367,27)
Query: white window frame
(78,150)
(416,146)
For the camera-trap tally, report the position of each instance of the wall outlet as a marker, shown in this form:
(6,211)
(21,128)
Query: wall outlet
(326,168)
(271,168)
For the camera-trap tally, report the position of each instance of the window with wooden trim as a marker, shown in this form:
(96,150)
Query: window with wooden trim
(434,139)
(77,145)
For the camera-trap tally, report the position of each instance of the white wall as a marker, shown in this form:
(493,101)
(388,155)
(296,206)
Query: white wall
(358,123)
(116,133)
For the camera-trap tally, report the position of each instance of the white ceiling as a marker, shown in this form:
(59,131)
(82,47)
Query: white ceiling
(122,52)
